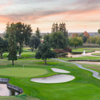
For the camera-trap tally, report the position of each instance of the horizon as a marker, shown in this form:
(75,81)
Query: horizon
(78,15)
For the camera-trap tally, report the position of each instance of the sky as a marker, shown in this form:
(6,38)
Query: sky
(79,15)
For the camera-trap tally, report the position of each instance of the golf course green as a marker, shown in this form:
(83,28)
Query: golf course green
(83,87)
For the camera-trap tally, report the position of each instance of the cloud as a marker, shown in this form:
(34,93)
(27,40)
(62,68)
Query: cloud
(49,11)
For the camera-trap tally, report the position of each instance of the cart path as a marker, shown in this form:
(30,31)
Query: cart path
(95,73)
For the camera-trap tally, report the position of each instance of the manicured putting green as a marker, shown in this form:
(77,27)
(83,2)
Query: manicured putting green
(22,72)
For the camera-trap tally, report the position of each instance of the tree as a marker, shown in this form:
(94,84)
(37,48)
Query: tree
(23,33)
(98,40)
(58,40)
(47,38)
(76,41)
(92,40)
(27,34)
(12,44)
(3,47)
(34,42)
(85,36)
(38,33)
(75,35)
(99,31)
(44,52)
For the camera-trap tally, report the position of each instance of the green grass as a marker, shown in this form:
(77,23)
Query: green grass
(18,98)
(84,87)
(86,49)
(26,49)
(27,54)
(22,72)
(82,58)
(92,66)
(96,54)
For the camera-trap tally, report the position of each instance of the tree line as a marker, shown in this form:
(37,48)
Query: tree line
(18,35)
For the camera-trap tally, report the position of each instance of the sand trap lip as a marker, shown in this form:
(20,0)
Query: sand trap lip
(60,78)
(59,70)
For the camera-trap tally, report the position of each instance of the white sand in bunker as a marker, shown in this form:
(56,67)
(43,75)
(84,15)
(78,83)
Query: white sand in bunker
(59,70)
(4,91)
(59,78)
(54,79)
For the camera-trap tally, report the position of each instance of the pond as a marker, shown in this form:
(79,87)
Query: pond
(8,89)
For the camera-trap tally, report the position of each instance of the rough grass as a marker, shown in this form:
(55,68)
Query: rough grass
(27,53)
(86,49)
(18,98)
(96,54)
(23,55)
(82,58)
(93,67)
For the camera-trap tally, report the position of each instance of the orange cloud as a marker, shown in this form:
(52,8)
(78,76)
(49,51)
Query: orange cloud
(75,20)
(4,19)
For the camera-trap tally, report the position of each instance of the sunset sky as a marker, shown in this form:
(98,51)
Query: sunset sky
(79,15)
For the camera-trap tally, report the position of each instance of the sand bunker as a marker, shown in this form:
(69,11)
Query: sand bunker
(59,78)
(54,79)
(4,91)
(59,70)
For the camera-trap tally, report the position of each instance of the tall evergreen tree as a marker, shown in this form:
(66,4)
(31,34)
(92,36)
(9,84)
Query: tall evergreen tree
(38,33)
(12,44)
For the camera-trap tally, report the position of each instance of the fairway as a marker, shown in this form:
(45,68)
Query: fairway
(83,87)
(22,72)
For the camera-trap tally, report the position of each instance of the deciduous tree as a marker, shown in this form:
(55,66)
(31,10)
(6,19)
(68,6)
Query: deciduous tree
(3,47)
(23,33)
(12,44)
(58,40)
(44,52)
(76,41)
(34,42)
